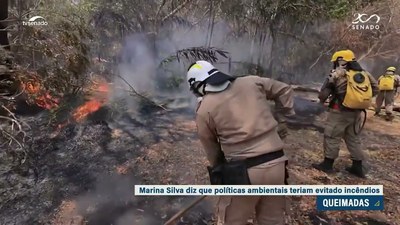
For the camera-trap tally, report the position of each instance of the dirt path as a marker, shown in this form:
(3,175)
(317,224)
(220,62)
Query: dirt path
(305,147)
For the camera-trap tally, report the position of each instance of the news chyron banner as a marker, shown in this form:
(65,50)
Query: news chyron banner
(328,197)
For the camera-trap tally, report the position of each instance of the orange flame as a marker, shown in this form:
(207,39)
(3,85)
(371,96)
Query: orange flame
(95,103)
(40,97)
(87,108)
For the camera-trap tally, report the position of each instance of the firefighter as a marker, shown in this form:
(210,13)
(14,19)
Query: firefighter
(346,104)
(388,86)
(240,137)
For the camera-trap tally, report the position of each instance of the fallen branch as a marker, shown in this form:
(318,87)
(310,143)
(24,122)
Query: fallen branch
(4,96)
(140,95)
(305,89)
(16,128)
(184,210)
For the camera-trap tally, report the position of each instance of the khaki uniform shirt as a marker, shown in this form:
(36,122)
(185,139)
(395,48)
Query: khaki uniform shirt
(238,123)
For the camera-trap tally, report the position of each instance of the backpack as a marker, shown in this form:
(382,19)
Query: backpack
(386,83)
(359,90)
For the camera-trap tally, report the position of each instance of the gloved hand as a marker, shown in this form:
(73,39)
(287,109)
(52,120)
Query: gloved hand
(282,130)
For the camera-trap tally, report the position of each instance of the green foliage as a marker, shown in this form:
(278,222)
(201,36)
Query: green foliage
(269,11)
(308,11)
(59,52)
(339,9)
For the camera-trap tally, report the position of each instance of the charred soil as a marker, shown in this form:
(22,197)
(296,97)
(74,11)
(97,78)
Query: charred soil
(84,173)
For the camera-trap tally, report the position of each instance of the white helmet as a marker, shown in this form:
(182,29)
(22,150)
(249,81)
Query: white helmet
(199,72)
(202,73)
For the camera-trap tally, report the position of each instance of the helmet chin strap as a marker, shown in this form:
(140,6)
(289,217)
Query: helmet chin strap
(202,90)
(199,90)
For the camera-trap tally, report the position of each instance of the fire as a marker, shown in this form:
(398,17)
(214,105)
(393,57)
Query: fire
(37,95)
(87,108)
(103,87)
(98,99)
(40,97)
(99,96)
(46,101)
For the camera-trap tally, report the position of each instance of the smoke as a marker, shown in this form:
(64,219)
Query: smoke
(142,54)
(112,200)
(368,66)
(283,57)
(138,65)
(108,188)
(240,49)
(375,67)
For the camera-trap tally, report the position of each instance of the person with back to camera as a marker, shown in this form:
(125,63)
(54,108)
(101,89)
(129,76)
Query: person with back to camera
(351,89)
(240,137)
(389,84)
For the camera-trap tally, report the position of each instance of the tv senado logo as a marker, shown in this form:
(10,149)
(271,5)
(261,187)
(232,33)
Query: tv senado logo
(365,22)
(35,21)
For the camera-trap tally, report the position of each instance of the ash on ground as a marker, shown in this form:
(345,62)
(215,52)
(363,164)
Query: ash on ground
(84,173)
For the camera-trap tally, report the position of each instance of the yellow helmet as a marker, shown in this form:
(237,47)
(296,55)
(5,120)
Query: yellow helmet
(346,55)
(391,68)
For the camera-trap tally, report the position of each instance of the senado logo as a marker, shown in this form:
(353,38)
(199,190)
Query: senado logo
(35,21)
(359,18)
(364,21)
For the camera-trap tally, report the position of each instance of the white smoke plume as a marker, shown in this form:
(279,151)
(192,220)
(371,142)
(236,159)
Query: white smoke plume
(141,56)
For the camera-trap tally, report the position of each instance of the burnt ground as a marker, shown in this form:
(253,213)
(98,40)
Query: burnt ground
(84,174)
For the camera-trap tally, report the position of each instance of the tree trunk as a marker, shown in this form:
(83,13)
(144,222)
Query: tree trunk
(3,25)
(272,52)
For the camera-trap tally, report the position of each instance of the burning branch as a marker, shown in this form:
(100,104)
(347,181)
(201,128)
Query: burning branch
(141,95)
(98,96)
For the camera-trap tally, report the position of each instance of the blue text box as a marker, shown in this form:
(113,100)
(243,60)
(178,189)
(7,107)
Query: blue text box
(348,202)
